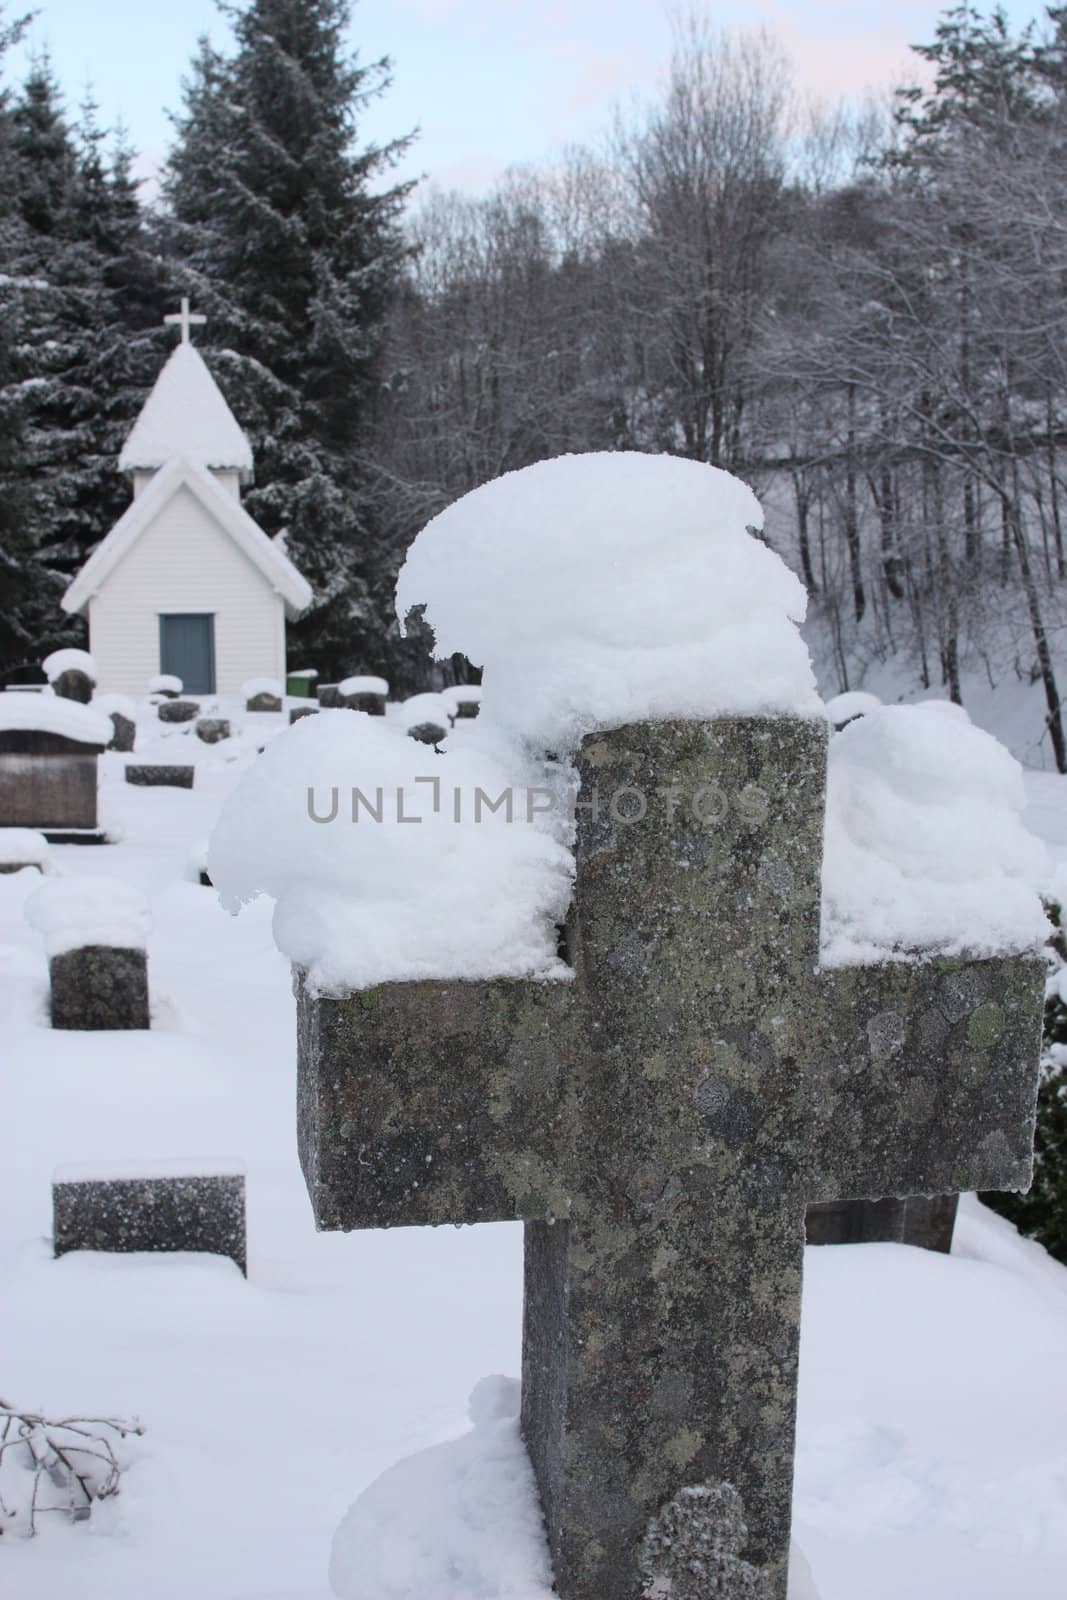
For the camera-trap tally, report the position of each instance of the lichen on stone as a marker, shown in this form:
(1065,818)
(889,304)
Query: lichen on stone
(692,1549)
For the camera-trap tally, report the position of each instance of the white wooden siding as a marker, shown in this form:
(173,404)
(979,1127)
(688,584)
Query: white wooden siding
(185,562)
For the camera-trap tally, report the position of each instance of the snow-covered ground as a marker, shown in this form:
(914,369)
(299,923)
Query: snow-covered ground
(932,1451)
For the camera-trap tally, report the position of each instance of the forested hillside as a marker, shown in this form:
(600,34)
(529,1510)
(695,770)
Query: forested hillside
(861,309)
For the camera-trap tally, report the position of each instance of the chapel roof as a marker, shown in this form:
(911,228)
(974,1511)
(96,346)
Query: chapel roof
(186,415)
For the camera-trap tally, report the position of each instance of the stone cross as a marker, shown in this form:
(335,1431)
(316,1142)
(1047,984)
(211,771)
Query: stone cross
(659,1125)
(185,320)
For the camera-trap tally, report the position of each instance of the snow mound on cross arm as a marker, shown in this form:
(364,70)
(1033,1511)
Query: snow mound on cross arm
(72,913)
(925,845)
(612,587)
(366,901)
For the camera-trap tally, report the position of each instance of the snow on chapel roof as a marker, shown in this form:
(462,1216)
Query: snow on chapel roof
(186,415)
(227,511)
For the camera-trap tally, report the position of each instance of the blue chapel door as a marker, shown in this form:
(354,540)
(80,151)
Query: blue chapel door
(187,648)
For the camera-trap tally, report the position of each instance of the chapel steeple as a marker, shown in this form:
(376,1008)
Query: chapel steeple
(186,415)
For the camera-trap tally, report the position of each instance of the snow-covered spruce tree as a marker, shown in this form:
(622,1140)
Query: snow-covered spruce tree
(15,551)
(1041,1213)
(278,232)
(84,339)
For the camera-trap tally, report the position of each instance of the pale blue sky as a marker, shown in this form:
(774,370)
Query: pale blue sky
(490,82)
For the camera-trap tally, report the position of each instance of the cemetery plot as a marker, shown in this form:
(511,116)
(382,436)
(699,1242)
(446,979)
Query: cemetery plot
(922,1437)
(48,766)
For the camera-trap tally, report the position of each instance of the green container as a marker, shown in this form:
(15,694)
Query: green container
(301,684)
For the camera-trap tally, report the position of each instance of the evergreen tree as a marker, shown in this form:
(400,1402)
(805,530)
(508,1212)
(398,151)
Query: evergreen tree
(984,78)
(84,305)
(1041,1213)
(280,236)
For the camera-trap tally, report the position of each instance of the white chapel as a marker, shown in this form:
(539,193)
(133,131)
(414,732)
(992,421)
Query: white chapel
(186,582)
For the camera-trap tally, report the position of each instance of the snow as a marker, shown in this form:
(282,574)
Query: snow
(165,682)
(932,1443)
(23,847)
(61,661)
(185,415)
(463,694)
(853,703)
(48,713)
(122,705)
(74,912)
(943,708)
(926,848)
(303,672)
(420,708)
(255,686)
(131,1171)
(363,685)
(612,587)
(460,1521)
(416,894)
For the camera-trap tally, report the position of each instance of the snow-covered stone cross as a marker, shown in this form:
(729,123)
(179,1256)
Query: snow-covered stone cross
(185,319)
(659,1125)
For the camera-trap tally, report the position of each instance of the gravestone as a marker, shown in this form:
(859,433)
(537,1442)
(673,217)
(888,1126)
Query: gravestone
(466,698)
(430,733)
(22,847)
(155,776)
(99,986)
(212,730)
(927,1221)
(72,674)
(367,694)
(73,685)
(264,702)
(125,732)
(660,1125)
(174,710)
(48,767)
(165,685)
(179,1209)
(329,696)
(297,712)
(94,929)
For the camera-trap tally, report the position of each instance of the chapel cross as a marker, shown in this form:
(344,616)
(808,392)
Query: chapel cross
(659,1125)
(185,320)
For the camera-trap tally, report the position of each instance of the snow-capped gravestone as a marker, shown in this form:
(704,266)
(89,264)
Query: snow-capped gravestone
(182,1206)
(178,710)
(72,674)
(23,847)
(49,749)
(262,694)
(94,930)
(165,684)
(660,1113)
(465,700)
(364,693)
